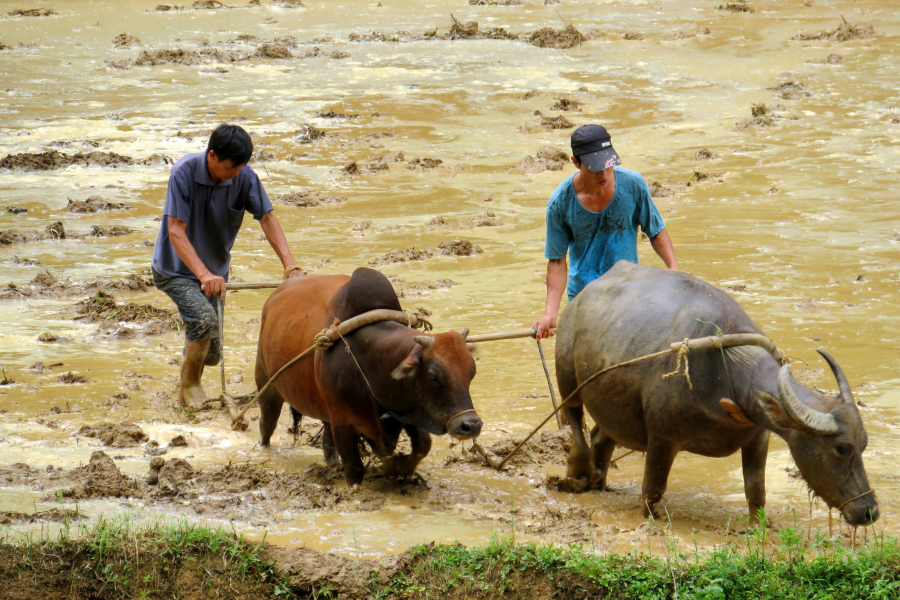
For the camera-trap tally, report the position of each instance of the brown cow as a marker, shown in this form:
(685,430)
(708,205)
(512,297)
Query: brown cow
(420,383)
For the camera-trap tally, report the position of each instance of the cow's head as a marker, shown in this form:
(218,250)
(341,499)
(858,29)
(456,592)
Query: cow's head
(438,370)
(827,445)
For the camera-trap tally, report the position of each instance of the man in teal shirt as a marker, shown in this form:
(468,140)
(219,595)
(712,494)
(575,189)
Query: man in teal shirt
(593,216)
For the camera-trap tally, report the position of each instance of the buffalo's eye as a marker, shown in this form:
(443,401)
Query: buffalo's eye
(433,378)
(843,450)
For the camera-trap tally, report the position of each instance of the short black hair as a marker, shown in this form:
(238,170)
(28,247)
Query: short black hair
(231,142)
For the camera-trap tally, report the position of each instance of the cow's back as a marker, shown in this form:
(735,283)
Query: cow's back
(292,316)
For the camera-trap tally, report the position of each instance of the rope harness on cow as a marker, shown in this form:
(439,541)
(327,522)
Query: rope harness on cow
(326,338)
(682,348)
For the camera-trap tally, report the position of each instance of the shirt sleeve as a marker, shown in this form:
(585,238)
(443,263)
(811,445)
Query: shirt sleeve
(559,236)
(258,203)
(647,214)
(178,198)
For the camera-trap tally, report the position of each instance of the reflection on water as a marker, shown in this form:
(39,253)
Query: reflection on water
(797,219)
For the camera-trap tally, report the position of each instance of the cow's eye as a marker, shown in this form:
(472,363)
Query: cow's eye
(843,450)
(433,378)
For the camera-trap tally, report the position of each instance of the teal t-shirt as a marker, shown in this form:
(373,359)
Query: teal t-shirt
(595,241)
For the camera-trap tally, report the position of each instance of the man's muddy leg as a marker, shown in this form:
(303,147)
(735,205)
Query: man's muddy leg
(190,393)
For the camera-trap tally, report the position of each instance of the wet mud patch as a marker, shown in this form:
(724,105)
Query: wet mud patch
(44,285)
(548,447)
(545,123)
(94,204)
(831,59)
(548,159)
(70,378)
(100,478)
(495,2)
(124,40)
(844,32)
(309,198)
(117,435)
(789,90)
(705,154)
(666,189)
(460,247)
(737,7)
(418,289)
(114,231)
(124,319)
(31,12)
(567,105)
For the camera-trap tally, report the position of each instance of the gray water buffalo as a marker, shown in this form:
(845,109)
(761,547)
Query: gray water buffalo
(404,380)
(636,310)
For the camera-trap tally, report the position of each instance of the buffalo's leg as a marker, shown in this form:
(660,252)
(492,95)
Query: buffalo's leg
(270,403)
(580,463)
(405,464)
(660,456)
(753,459)
(328,448)
(346,440)
(602,449)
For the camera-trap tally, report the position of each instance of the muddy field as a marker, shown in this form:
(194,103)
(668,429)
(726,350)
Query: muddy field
(423,140)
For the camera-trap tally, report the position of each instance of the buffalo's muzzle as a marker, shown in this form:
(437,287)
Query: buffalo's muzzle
(465,427)
(861,512)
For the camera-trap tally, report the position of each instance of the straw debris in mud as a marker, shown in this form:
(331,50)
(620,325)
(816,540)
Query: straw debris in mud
(844,32)
(45,285)
(102,308)
(561,39)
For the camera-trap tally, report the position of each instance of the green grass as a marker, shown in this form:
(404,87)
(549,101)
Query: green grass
(116,559)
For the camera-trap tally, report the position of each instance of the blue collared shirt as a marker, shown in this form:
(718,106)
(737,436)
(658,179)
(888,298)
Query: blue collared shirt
(213,213)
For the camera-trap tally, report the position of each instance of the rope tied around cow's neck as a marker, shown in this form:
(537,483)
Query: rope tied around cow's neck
(416,318)
(682,356)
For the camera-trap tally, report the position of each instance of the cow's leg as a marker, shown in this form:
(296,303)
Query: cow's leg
(660,456)
(328,448)
(753,459)
(346,440)
(270,403)
(580,462)
(602,448)
(405,464)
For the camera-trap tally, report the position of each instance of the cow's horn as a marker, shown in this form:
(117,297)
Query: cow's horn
(800,413)
(846,394)
(464,332)
(425,340)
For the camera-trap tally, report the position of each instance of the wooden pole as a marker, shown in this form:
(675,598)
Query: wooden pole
(502,335)
(249,285)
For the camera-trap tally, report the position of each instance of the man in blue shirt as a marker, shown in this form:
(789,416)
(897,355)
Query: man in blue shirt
(593,216)
(207,196)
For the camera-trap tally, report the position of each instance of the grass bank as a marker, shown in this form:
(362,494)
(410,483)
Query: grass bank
(116,560)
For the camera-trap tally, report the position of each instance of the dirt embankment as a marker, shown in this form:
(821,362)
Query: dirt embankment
(453,248)
(45,285)
(53,159)
(127,318)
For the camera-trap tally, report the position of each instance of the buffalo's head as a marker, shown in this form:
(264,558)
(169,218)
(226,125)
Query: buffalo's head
(439,370)
(827,445)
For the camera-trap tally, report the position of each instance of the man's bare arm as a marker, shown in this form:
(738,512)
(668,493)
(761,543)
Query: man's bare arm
(212,284)
(662,244)
(557,276)
(272,228)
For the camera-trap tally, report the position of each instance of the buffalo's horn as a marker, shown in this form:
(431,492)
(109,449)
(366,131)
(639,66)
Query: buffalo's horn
(464,332)
(800,413)
(846,394)
(425,340)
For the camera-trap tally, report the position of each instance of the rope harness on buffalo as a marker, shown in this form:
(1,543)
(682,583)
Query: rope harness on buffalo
(683,348)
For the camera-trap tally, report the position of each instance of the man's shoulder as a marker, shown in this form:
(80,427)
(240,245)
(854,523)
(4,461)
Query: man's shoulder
(629,178)
(561,195)
(185,166)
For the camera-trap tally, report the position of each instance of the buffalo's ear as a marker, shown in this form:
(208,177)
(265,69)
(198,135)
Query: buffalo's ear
(736,412)
(471,348)
(409,365)
(773,408)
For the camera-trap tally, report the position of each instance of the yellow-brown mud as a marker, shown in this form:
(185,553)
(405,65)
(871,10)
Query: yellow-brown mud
(769,136)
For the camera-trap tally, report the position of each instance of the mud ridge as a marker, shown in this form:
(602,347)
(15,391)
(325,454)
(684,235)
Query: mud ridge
(45,285)
(53,159)
(844,32)
(460,247)
(309,198)
(126,318)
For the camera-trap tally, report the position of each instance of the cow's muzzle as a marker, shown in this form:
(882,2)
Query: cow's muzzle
(862,510)
(465,425)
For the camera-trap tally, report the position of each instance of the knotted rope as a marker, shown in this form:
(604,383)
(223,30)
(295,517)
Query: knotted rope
(682,355)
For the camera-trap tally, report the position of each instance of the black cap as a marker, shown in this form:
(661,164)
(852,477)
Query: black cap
(593,146)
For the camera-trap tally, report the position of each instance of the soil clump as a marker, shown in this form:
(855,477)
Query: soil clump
(288,4)
(103,309)
(120,435)
(309,198)
(561,39)
(41,286)
(124,40)
(567,105)
(740,6)
(71,378)
(95,204)
(844,32)
(100,478)
(495,2)
(548,159)
(831,59)
(705,154)
(488,219)
(460,247)
(54,231)
(307,134)
(418,289)
(114,231)
(31,12)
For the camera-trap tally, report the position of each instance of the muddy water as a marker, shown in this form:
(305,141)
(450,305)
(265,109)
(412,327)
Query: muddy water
(795,219)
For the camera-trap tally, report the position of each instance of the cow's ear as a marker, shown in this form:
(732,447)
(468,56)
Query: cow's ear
(775,411)
(471,348)
(409,365)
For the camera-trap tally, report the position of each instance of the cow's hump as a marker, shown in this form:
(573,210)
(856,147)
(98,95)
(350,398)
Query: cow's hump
(367,290)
